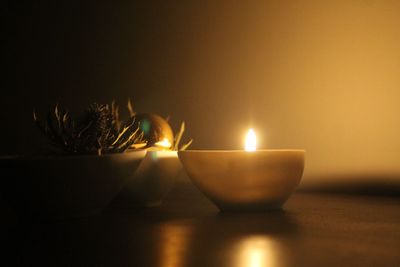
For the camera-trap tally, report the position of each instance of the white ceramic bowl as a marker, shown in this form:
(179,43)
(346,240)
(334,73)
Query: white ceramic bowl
(240,180)
(70,186)
(153,179)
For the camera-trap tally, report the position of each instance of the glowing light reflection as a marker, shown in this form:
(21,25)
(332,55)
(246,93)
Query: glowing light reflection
(257,251)
(174,238)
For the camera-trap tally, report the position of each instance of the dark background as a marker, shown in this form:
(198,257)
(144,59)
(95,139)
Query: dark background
(319,75)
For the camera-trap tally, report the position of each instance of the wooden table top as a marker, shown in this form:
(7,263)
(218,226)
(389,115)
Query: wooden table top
(313,229)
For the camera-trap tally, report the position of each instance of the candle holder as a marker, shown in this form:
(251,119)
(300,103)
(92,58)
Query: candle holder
(242,180)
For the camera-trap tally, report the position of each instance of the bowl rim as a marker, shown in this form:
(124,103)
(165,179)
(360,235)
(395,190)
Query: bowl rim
(240,151)
(69,156)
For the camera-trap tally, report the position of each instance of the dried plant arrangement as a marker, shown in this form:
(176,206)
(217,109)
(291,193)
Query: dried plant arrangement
(98,131)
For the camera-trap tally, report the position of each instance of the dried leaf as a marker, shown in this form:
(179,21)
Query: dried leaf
(179,136)
(132,113)
(185,146)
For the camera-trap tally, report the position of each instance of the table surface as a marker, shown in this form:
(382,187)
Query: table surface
(313,229)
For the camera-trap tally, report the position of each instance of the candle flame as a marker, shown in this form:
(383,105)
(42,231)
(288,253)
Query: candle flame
(250,143)
(165,143)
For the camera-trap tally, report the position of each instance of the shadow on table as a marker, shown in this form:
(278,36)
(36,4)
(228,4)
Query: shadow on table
(187,231)
(215,240)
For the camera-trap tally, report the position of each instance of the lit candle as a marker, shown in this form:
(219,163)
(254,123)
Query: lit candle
(165,144)
(251,140)
(246,179)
